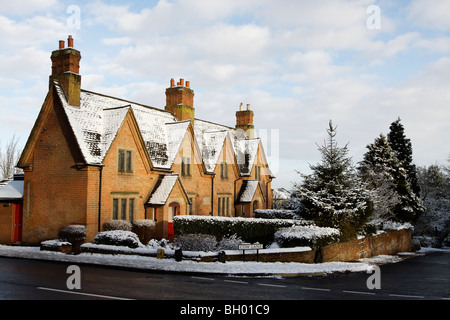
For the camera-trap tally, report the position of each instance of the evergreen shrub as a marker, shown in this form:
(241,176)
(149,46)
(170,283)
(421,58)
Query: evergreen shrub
(117,225)
(306,236)
(144,229)
(250,230)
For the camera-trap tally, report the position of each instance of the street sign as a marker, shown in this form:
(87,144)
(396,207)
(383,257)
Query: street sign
(249,246)
(160,253)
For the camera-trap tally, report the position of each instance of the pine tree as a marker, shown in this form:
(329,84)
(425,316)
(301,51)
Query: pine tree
(403,149)
(333,195)
(395,199)
(377,171)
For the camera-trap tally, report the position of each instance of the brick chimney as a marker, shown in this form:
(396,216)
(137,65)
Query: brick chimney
(180,100)
(244,120)
(65,69)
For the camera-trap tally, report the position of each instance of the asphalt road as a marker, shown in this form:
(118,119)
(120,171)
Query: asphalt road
(419,278)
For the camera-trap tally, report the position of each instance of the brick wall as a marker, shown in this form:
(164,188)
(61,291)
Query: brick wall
(6,222)
(387,243)
(55,191)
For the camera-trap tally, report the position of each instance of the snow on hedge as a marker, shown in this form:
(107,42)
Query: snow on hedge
(236,220)
(312,236)
(248,229)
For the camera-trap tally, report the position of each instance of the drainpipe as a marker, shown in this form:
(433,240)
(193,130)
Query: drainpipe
(212,194)
(235,195)
(100,198)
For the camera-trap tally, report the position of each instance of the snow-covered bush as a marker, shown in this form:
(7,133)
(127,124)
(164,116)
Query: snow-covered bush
(248,229)
(229,243)
(306,236)
(118,238)
(157,244)
(73,233)
(196,242)
(144,229)
(117,225)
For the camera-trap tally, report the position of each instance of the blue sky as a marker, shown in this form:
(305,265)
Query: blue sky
(297,63)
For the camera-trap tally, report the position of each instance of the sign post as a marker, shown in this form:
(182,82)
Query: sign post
(249,246)
(160,254)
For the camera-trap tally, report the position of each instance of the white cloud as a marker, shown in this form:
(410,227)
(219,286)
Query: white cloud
(298,63)
(26,7)
(430,14)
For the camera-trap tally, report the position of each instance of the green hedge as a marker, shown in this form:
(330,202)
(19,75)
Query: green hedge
(248,229)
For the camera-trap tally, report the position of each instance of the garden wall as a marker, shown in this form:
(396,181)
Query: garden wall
(387,243)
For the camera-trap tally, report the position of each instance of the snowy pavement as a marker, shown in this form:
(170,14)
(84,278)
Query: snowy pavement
(189,266)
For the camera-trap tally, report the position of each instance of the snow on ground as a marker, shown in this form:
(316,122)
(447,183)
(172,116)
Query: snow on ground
(189,266)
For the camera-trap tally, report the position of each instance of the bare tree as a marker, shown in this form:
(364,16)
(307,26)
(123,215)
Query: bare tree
(9,158)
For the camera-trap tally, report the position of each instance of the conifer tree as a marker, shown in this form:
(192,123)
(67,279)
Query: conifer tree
(377,171)
(333,195)
(388,178)
(403,149)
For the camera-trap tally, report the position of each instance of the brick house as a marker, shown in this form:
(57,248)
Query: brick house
(91,158)
(11,194)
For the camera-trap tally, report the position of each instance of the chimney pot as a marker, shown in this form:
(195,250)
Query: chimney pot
(61,44)
(248,106)
(241,107)
(188,84)
(70,42)
(182,82)
(172,83)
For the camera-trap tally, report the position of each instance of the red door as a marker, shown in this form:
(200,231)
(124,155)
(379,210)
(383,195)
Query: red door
(174,209)
(18,212)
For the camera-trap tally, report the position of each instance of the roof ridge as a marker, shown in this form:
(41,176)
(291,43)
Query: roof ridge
(125,100)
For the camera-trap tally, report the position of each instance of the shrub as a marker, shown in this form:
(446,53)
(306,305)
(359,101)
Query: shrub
(117,225)
(229,243)
(118,238)
(308,236)
(144,229)
(196,242)
(75,234)
(248,229)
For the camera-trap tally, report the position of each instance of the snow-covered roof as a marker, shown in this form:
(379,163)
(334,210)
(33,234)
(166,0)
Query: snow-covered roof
(11,190)
(96,121)
(163,189)
(248,190)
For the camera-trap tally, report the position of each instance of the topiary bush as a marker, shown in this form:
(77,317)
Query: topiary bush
(144,229)
(117,225)
(118,238)
(75,234)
